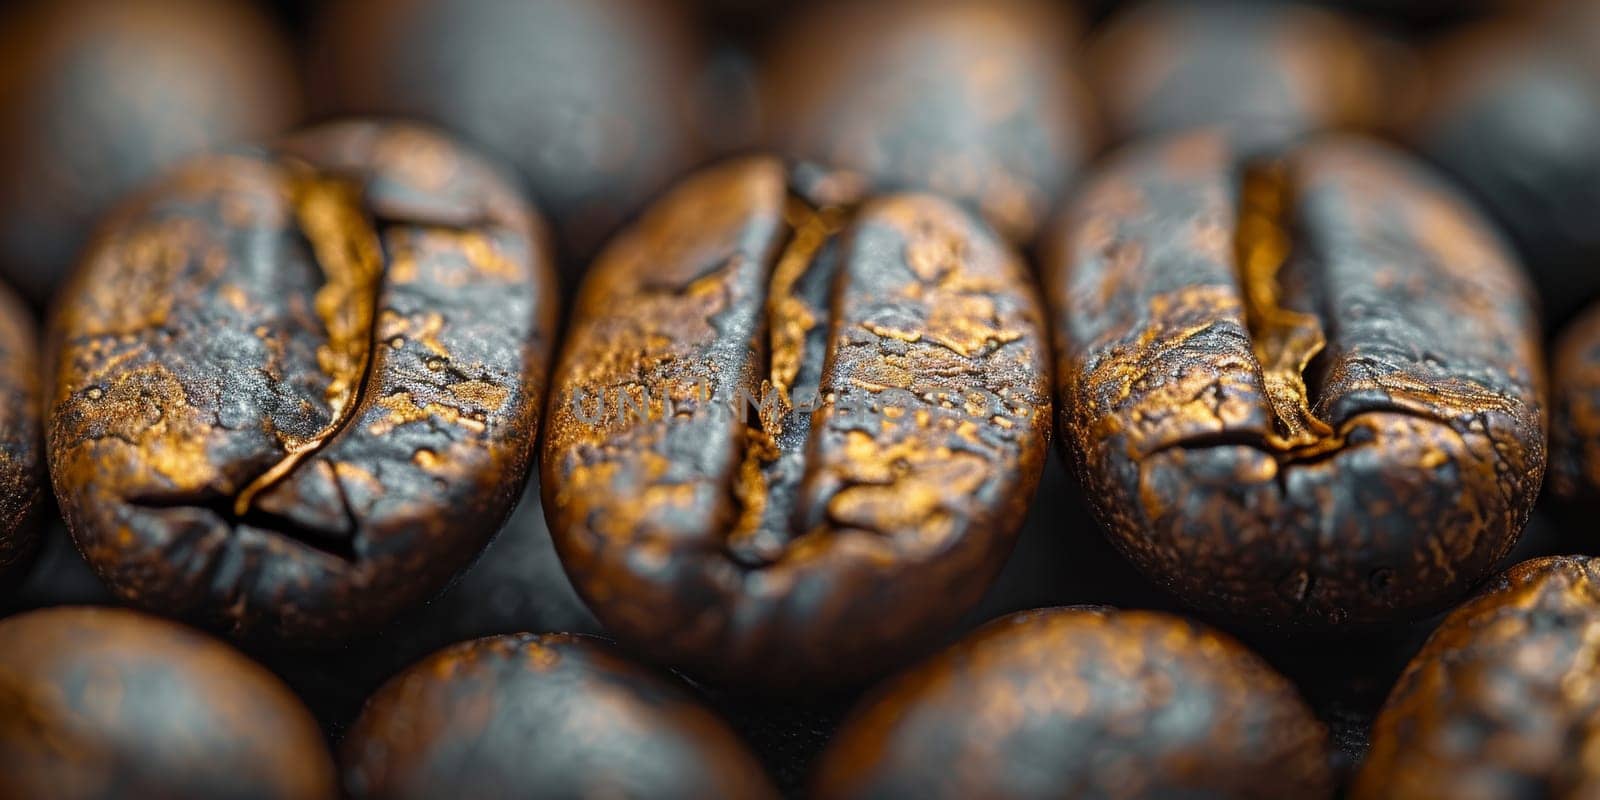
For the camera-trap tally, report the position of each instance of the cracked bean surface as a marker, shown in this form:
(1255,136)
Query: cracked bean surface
(1301,387)
(297,386)
(896,349)
(1503,701)
(108,703)
(554,715)
(1083,702)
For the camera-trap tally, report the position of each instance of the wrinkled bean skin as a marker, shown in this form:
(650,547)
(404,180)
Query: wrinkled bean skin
(556,715)
(591,100)
(98,97)
(1301,389)
(1082,702)
(106,703)
(298,386)
(1575,412)
(1274,72)
(1502,700)
(817,542)
(1512,118)
(975,100)
(21,456)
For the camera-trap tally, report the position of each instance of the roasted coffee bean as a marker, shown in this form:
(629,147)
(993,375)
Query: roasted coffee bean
(97,97)
(1301,387)
(21,467)
(791,437)
(976,100)
(298,386)
(1513,116)
(1271,72)
(1575,413)
(103,703)
(554,716)
(1502,700)
(1083,702)
(591,100)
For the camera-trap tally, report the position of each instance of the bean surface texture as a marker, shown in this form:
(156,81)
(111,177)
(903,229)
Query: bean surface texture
(298,386)
(792,435)
(1301,387)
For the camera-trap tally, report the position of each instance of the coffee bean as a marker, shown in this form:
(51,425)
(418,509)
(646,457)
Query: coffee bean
(557,715)
(1272,72)
(1501,701)
(96,98)
(104,703)
(21,465)
(1302,387)
(298,386)
(977,100)
(591,100)
(792,436)
(1082,702)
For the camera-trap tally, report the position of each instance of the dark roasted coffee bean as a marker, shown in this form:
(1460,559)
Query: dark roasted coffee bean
(1083,702)
(591,100)
(1575,413)
(791,437)
(97,97)
(1270,72)
(104,703)
(1301,387)
(1502,700)
(976,100)
(1513,116)
(298,386)
(21,472)
(550,716)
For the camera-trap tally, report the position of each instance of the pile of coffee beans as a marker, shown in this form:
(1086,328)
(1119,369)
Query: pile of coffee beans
(799,398)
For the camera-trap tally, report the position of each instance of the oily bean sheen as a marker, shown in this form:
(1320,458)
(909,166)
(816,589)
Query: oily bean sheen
(1575,412)
(98,97)
(1502,701)
(21,462)
(1273,72)
(556,715)
(1301,387)
(846,412)
(976,100)
(1083,702)
(107,703)
(298,386)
